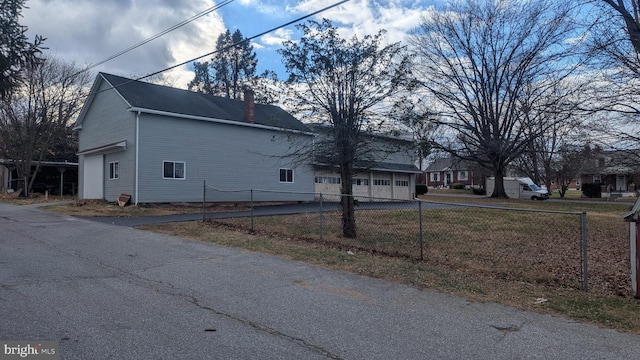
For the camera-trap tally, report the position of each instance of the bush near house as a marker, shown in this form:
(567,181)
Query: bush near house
(591,190)
(457,186)
(421,189)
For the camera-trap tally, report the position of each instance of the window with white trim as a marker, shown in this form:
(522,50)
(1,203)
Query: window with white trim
(327,180)
(286,175)
(597,179)
(381,182)
(435,176)
(114,170)
(360,182)
(402,183)
(463,175)
(173,169)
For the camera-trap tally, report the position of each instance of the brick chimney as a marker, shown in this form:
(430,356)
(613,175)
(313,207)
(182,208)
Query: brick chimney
(249,105)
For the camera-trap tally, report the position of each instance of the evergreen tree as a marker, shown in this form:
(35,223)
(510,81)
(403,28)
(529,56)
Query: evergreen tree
(16,52)
(231,68)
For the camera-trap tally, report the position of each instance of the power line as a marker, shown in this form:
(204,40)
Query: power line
(245,40)
(162,33)
(232,45)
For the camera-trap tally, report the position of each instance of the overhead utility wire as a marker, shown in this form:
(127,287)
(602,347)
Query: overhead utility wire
(245,40)
(162,33)
(230,46)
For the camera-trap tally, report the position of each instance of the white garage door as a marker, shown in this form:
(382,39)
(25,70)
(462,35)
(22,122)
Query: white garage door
(93,177)
(401,188)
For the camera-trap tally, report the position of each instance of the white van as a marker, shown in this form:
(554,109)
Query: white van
(519,188)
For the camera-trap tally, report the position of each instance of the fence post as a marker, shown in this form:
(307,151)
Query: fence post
(251,209)
(321,218)
(204,199)
(420,234)
(585,277)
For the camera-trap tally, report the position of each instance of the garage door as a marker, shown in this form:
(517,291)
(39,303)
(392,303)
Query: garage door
(382,186)
(93,177)
(401,189)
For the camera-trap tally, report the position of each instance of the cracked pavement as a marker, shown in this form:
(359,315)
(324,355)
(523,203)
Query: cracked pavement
(105,291)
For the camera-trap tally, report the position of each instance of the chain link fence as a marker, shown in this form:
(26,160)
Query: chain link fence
(502,243)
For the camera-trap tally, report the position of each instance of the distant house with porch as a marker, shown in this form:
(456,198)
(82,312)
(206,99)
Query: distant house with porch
(616,171)
(443,172)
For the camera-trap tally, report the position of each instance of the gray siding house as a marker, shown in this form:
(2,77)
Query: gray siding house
(160,144)
(385,168)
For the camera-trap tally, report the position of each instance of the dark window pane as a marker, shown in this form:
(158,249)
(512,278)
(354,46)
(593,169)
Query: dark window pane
(179,167)
(168,169)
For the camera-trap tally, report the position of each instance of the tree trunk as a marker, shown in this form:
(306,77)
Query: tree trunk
(498,188)
(347,202)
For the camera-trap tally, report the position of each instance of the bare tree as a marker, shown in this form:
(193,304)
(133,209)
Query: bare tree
(492,65)
(419,119)
(35,118)
(629,12)
(345,84)
(559,125)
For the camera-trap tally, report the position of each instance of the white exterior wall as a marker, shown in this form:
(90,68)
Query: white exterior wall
(386,187)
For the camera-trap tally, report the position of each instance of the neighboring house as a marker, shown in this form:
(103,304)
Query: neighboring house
(616,171)
(385,169)
(160,144)
(443,172)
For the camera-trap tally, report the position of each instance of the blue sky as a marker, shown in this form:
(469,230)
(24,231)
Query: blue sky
(89,31)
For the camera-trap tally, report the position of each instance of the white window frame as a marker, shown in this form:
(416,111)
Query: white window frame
(435,176)
(287,171)
(597,179)
(402,183)
(463,175)
(174,175)
(360,182)
(381,182)
(327,180)
(114,170)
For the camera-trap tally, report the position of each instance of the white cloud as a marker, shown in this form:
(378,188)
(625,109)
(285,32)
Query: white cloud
(368,17)
(87,31)
(277,37)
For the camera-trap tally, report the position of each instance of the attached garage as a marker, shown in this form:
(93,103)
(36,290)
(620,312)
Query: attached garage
(402,186)
(375,185)
(93,180)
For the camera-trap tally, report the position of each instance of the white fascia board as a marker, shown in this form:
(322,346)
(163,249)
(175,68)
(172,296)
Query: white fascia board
(221,121)
(105,149)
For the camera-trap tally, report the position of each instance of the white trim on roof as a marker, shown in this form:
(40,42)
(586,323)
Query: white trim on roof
(221,121)
(105,149)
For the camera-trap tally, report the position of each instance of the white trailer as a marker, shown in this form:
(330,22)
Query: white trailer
(518,188)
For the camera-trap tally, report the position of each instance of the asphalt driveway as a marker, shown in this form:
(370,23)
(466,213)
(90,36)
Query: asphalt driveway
(113,292)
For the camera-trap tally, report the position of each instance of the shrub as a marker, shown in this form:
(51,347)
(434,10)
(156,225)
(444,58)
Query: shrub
(457,186)
(421,189)
(591,190)
(479,191)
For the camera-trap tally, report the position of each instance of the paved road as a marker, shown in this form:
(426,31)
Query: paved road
(113,292)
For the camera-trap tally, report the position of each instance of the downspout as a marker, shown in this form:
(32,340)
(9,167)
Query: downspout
(136,160)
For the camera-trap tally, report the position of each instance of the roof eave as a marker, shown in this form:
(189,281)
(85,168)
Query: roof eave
(221,121)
